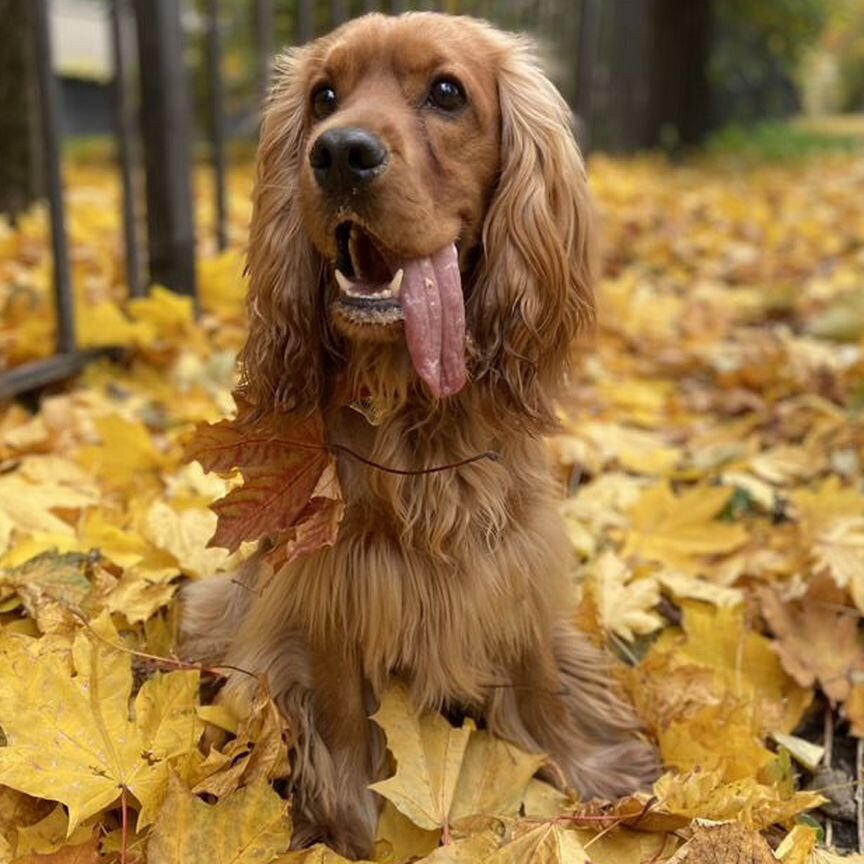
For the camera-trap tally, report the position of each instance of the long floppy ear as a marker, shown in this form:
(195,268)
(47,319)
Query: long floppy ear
(534,289)
(282,362)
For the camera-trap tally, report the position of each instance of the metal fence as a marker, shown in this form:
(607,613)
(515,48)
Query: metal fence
(153,31)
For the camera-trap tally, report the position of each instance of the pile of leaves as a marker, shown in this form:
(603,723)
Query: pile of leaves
(711,448)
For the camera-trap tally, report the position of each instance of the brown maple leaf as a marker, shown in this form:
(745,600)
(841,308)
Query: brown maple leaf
(816,637)
(290,490)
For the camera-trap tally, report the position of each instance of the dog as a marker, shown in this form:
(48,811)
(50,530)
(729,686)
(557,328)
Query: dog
(420,262)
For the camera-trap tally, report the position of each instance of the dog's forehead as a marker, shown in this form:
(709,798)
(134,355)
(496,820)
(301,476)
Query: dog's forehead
(410,45)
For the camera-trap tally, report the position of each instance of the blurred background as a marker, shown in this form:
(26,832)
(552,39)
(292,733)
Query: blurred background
(168,92)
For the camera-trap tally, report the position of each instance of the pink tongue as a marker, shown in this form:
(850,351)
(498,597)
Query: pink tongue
(434,313)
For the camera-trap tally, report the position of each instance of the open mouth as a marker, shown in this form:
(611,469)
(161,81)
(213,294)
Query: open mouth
(380,296)
(369,283)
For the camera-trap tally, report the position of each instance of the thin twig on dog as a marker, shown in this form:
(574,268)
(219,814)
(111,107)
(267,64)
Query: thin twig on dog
(491,455)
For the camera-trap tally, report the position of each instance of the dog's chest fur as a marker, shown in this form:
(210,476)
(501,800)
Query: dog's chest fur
(436,576)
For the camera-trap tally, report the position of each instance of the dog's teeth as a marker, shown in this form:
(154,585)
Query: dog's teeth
(395,285)
(343,282)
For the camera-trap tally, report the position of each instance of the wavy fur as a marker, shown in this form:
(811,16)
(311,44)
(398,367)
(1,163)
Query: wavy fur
(455,582)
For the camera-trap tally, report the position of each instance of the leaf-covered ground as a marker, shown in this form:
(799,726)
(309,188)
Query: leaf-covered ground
(712,450)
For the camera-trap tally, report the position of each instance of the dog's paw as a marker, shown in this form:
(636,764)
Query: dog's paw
(347,836)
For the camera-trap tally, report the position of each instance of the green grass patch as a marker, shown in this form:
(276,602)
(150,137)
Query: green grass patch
(791,139)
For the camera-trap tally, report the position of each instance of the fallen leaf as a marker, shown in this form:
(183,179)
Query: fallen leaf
(69,736)
(290,490)
(717,737)
(704,795)
(549,843)
(81,853)
(722,844)
(493,777)
(259,751)
(49,835)
(680,531)
(626,603)
(816,639)
(185,535)
(249,826)
(428,753)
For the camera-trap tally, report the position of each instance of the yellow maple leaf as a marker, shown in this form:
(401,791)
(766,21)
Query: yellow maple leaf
(185,534)
(28,507)
(625,602)
(625,846)
(690,588)
(138,597)
(704,795)
(636,450)
(548,843)
(403,840)
(680,531)
(53,589)
(838,549)
(48,835)
(493,777)
(742,662)
(69,734)
(444,774)
(318,854)
(819,509)
(249,826)
(642,400)
(105,325)
(168,314)
(477,847)
(127,455)
(103,530)
(221,283)
(428,753)
(259,751)
(717,737)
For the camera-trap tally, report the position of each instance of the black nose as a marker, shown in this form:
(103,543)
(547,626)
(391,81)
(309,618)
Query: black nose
(343,158)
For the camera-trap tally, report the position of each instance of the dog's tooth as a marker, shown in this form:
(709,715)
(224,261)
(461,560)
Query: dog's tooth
(395,285)
(343,282)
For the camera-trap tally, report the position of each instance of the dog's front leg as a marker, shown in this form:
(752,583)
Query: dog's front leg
(564,702)
(338,756)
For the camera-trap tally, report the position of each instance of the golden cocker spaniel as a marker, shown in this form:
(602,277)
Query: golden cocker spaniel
(419,266)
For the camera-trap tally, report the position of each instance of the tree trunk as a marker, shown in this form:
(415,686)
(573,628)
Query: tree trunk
(18,125)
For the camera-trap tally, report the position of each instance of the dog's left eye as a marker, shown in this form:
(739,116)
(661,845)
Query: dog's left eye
(446,94)
(324,102)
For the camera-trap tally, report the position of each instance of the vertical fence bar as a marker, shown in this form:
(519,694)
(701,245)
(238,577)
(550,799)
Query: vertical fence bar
(264,43)
(305,21)
(216,95)
(370,5)
(49,113)
(586,60)
(397,7)
(165,121)
(125,132)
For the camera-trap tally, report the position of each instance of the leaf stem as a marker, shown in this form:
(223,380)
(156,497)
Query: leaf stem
(124,823)
(170,662)
(413,472)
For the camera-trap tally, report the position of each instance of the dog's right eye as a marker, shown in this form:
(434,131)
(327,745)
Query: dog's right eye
(324,102)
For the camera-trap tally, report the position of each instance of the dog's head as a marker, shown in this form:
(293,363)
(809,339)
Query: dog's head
(420,215)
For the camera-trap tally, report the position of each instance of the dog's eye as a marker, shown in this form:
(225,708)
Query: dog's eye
(324,102)
(446,94)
